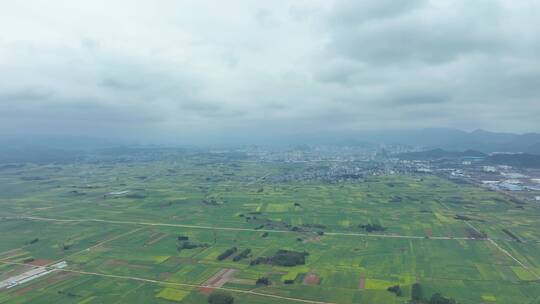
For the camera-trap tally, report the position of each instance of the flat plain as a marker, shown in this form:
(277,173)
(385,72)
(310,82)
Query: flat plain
(152,232)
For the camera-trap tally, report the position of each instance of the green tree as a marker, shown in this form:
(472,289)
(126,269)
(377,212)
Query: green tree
(416,292)
(395,289)
(220,297)
(262,281)
(437,298)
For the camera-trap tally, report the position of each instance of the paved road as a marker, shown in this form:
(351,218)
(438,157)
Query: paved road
(395,236)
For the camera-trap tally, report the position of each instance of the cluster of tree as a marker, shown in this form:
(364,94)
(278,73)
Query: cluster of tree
(262,281)
(511,234)
(242,255)
(439,299)
(372,227)
(395,289)
(320,226)
(189,245)
(282,257)
(227,253)
(416,293)
(264,234)
(396,199)
(220,297)
(267,223)
(214,201)
(475,234)
(33,241)
(289,258)
(69,294)
(297,229)
(259,260)
(462,217)
(315,226)
(75,192)
(467,218)
(417,297)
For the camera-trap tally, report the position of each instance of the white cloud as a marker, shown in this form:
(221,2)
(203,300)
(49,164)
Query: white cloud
(193,68)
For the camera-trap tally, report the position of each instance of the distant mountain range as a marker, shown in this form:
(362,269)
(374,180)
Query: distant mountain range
(486,141)
(441,142)
(455,140)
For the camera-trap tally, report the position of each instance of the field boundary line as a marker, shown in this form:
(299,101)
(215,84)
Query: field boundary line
(513,258)
(498,247)
(11,250)
(396,236)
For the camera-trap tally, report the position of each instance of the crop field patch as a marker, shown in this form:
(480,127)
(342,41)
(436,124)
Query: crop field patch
(278,207)
(359,237)
(40,262)
(293,273)
(523,274)
(172,294)
(377,284)
(218,280)
(155,238)
(489,298)
(312,279)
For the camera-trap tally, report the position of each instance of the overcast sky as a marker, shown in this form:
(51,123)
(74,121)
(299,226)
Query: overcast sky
(179,69)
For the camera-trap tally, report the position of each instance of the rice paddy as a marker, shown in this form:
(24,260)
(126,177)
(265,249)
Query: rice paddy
(157,239)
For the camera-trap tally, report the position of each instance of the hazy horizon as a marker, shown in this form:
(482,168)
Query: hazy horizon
(186,71)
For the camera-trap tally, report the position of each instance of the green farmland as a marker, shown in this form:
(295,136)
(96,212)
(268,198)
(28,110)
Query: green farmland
(152,232)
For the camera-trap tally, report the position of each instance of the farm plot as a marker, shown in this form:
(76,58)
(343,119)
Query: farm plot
(160,241)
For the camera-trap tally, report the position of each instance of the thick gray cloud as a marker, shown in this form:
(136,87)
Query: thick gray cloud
(175,69)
